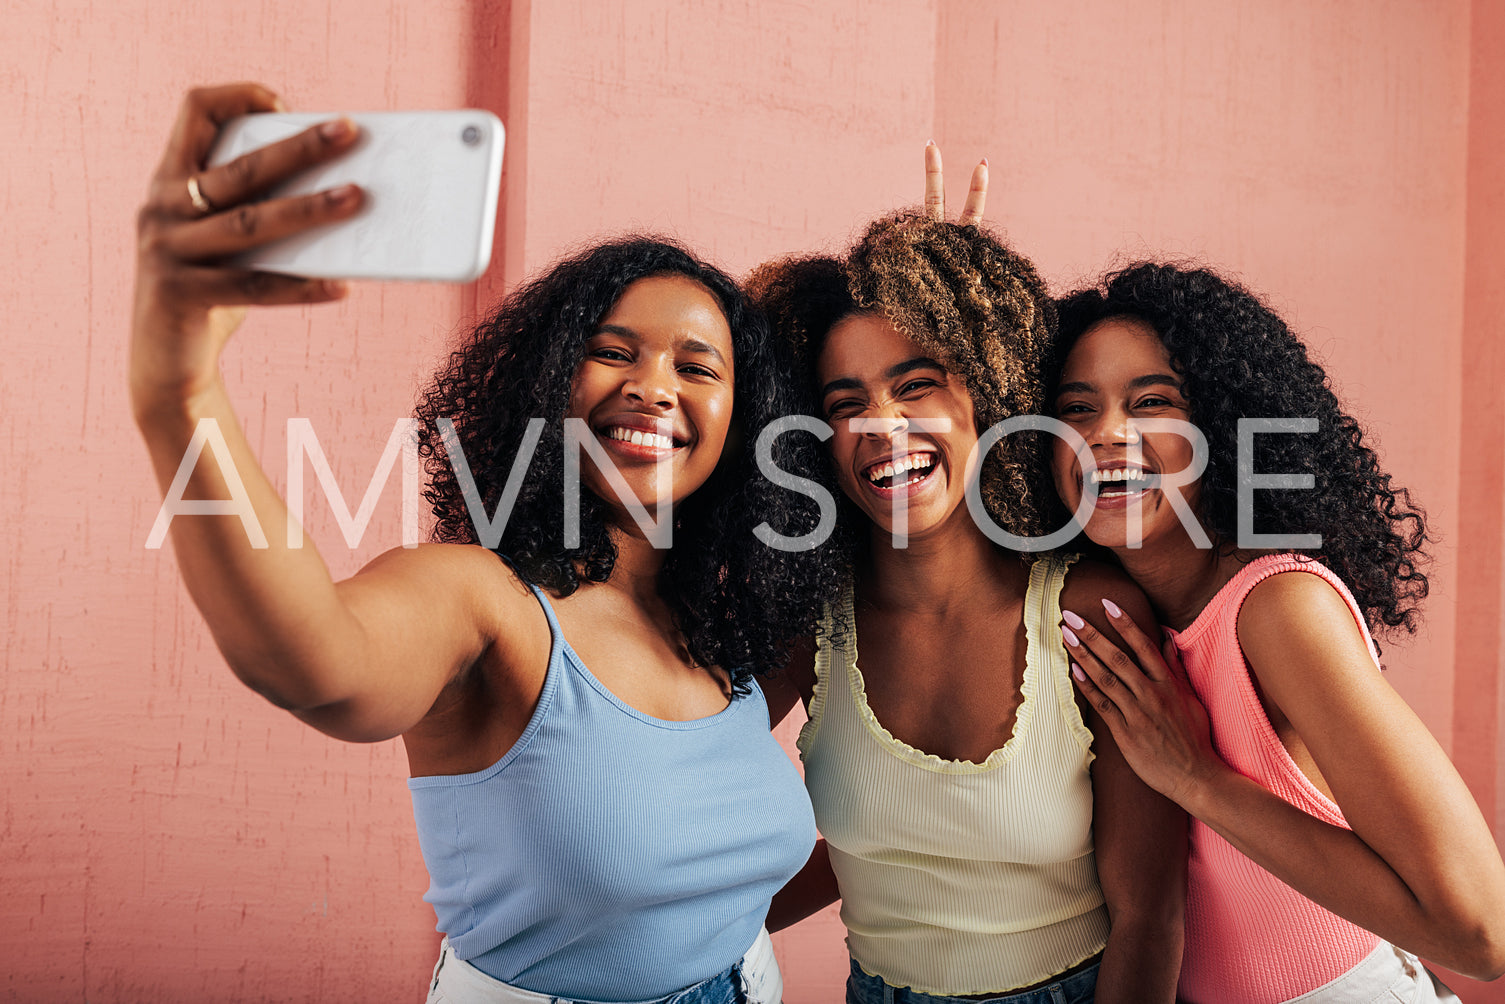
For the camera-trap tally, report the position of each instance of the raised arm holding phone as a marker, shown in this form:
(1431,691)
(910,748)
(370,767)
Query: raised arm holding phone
(562,704)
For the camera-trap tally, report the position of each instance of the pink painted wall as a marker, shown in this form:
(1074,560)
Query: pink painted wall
(165,835)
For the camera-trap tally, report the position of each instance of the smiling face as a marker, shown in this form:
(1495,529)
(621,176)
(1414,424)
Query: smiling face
(655,388)
(869,371)
(1118,373)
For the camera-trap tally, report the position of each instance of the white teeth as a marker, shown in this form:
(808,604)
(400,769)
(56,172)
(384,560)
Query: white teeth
(637,438)
(1116,474)
(914,461)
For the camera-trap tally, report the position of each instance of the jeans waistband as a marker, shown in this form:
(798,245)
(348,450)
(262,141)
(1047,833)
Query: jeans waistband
(754,978)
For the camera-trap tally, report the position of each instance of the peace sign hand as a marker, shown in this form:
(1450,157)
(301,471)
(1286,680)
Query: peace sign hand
(935,189)
(1147,703)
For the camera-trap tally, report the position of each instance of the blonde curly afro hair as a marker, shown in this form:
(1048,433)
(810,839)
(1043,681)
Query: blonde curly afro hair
(962,296)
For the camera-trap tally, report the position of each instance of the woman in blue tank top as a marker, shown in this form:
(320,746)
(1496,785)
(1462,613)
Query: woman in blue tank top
(600,804)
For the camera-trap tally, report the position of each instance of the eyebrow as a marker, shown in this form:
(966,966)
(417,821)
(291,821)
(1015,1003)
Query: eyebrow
(896,370)
(694,345)
(1148,380)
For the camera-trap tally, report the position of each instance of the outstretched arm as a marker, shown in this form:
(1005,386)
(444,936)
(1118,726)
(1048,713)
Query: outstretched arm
(1419,867)
(362,660)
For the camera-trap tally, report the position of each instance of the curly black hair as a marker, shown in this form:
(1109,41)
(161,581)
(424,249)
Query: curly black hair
(738,602)
(1238,359)
(960,294)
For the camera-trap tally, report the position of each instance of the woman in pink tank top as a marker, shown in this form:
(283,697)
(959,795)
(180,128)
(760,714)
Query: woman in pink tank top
(1332,838)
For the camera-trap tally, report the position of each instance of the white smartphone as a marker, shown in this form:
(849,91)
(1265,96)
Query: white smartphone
(431,181)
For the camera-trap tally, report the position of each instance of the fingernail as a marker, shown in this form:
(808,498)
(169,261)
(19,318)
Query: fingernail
(336,129)
(343,194)
(1070,636)
(985,162)
(1112,608)
(1076,671)
(1073,619)
(278,103)
(930,142)
(335,288)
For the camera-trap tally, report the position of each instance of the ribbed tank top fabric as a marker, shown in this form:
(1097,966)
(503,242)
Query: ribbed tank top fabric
(610,855)
(1250,938)
(958,877)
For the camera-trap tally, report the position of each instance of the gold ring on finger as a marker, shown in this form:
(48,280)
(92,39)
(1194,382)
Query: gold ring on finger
(196,196)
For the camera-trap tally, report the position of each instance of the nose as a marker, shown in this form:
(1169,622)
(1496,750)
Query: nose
(651,383)
(886,422)
(1115,427)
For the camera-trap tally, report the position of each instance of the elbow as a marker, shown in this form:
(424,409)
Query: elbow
(1485,966)
(1490,957)
(1477,950)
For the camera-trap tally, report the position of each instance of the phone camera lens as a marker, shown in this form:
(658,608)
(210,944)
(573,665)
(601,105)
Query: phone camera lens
(471,136)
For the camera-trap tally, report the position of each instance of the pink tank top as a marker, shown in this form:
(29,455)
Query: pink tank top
(1250,938)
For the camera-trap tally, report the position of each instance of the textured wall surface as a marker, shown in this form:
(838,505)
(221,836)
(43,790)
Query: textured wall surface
(165,835)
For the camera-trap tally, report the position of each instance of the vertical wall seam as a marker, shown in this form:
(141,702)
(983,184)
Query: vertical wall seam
(1481,466)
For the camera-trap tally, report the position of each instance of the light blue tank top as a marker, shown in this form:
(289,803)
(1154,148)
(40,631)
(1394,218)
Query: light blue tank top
(611,855)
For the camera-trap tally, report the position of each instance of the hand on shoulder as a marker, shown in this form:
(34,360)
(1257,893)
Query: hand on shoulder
(1089,583)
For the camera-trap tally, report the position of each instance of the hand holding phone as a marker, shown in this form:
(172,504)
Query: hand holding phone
(430,182)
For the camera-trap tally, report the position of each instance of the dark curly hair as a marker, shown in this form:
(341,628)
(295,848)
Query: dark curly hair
(1237,359)
(738,602)
(961,295)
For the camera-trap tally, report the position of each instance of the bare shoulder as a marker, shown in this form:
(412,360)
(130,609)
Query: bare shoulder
(1296,608)
(1296,623)
(1088,583)
(1286,598)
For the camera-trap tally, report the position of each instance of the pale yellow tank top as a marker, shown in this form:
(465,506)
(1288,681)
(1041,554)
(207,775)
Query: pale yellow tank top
(958,877)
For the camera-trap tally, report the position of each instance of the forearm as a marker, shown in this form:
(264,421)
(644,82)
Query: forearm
(1142,961)
(1333,867)
(274,610)
(1141,840)
(1143,871)
(811,889)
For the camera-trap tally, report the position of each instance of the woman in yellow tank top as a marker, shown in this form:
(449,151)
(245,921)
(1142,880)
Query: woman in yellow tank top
(984,844)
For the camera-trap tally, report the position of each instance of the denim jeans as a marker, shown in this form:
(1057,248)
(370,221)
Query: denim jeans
(753,979)
(1077,988)
(1387,974)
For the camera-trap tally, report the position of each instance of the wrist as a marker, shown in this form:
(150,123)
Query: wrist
(1205,787)
(166,406)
